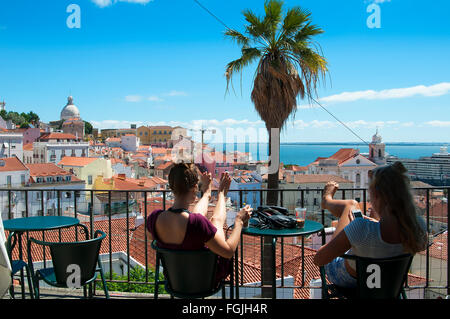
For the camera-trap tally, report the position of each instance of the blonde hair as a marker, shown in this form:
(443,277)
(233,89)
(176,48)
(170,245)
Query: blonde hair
(392,187)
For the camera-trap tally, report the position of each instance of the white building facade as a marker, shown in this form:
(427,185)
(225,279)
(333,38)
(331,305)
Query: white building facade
(11,144)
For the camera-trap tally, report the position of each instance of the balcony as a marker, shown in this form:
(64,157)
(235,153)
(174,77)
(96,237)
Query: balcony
(129,261)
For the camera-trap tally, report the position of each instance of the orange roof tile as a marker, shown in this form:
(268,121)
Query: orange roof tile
(46,169)
(344,154)
(76,161)
(165,165)
(60,136)
(12,164)
(28,147)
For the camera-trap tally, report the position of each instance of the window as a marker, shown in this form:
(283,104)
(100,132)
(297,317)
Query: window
(379,153)
(8,180)
(90,179)
(140,133)
(49,179)
(358,178)
(22,179)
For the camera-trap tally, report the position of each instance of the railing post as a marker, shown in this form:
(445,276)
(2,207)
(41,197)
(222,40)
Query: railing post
(128,237)
(26,205)
(9,205)
(448,242)
(110,235)
(58,193)
(145,236)
(281,197)
(427,266)
(42,202)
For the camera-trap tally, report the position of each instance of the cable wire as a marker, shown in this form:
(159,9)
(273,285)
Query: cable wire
(342,123)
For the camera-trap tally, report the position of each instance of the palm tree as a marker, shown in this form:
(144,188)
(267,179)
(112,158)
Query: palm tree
(289,65)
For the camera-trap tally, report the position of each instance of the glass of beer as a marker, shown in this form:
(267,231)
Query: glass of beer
(300,215)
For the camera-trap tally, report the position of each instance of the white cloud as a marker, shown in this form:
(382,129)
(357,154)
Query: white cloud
(419,90)
(133,98)
(195,124)
(107,3)
(176,93)
(438,123)
(154,98)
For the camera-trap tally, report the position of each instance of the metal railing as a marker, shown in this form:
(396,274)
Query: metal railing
(91,206)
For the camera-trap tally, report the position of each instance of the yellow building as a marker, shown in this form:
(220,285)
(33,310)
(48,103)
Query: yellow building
(158,134)
(87,168)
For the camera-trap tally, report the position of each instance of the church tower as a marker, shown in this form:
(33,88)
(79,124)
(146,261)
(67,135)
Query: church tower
(377,150)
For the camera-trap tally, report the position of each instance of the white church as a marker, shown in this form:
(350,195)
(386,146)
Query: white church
(350,164)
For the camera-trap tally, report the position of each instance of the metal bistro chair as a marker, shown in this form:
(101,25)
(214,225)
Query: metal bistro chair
(18,265)
(393,272)
(84,254)
(188,273)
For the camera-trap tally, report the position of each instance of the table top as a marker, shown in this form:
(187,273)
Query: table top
(310,227)
(37,223)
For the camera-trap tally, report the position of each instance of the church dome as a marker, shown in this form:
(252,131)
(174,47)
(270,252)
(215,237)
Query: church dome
(70,111)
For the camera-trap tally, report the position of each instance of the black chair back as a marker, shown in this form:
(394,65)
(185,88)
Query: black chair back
(188,273)
(382,278)
(67,256)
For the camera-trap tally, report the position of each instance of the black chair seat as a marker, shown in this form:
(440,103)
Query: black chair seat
(84,254)
(392,273)
(188,274)
(17,265)
(48,275)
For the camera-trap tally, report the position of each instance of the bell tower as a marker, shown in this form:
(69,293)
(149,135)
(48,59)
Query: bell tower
(377,150)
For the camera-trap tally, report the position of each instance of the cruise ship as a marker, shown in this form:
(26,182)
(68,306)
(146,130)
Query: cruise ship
(434,169)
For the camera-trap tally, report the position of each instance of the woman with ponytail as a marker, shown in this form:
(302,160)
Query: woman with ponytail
(396,230)
(178,228)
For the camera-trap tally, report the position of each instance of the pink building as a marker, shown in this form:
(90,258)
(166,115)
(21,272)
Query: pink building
(31,135)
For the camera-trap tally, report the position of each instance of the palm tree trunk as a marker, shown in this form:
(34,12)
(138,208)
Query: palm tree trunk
(267,262)
(272,180)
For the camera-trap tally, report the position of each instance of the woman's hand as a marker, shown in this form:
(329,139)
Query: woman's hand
(244,214)
(206,182)
(224,185)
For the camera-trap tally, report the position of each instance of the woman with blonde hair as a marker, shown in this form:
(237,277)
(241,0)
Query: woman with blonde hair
(396,229)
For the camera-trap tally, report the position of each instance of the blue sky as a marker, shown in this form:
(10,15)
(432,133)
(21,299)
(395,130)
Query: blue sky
(162,62)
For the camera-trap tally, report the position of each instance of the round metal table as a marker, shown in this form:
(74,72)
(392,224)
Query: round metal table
(18,226)
(310,227)
(39,223)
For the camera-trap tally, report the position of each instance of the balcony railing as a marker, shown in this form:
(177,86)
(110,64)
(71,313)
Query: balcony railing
(123,215)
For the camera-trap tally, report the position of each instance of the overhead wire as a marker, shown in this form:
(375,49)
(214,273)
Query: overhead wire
(323,107)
